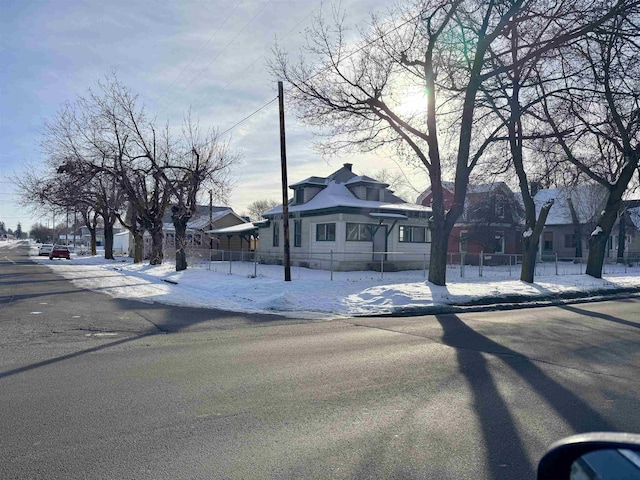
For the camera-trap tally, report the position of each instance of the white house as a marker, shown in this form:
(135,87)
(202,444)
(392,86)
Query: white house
(347,222)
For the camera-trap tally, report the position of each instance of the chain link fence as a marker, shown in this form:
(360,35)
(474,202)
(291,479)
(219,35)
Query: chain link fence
(415,265)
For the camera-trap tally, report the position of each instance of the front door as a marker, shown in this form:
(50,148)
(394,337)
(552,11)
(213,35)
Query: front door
(380,243)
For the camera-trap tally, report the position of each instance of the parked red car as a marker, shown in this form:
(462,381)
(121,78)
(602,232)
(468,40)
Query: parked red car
(60,251)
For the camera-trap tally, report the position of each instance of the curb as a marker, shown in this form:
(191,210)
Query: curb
(514,302)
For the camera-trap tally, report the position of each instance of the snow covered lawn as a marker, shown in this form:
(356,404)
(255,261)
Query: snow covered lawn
(311,293)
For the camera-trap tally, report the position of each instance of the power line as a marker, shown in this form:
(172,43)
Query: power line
(249,116)
(234,78)
(383,35)
(198,52)
(223,49)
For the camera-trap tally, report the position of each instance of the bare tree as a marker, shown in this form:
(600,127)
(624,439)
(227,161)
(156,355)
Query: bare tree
(258,207)
(398,183)
(595,117)
(205,161)
(447,50)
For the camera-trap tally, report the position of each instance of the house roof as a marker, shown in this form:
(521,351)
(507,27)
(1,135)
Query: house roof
(587,201)
(482,188)
(201,221)
(335,194)
(634,215)
(247,227)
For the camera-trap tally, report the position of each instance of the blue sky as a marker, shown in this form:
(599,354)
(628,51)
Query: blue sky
(209,56)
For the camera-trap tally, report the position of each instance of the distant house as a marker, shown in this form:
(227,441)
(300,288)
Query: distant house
(627,227)
(571,219)
(347,222)
(491,221)
(204,220)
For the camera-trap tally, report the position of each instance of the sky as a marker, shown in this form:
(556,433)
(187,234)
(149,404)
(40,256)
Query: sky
(209,56)
(313,294)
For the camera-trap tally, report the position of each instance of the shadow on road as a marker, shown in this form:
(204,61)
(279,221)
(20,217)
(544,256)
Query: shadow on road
(603,316)
(506,454)
(69,356)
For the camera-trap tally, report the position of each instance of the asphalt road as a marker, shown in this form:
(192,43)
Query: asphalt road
(97,388)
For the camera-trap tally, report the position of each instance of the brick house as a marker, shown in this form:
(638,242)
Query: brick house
(491,222)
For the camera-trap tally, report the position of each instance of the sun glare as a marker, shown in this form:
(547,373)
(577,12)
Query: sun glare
(413,101)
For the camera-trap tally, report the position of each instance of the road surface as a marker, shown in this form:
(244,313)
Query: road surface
(100,388)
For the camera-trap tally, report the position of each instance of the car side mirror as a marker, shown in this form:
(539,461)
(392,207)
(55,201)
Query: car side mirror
(591,456)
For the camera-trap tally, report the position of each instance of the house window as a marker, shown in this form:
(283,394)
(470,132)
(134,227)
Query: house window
(410,234)
(297,233)
(276,234)
(170,239)
(300,195)
(197,239)
(570,240)
(373,194)
(498,242)
(326,232)
(358,232)
(463,240)
(499,208)
(547,241)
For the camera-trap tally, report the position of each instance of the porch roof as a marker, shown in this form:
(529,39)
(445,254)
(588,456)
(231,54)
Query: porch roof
(241,229)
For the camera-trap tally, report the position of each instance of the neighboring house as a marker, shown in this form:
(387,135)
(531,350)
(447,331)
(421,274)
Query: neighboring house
(86,236)
(347,222)
(491,221)
(628,225)
(204,220)
(571,219)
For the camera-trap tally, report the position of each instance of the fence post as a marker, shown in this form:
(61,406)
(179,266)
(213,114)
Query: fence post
(230,261)
(331,264)
(480,263)
(255,264)
(382,266)
(462,265)
(556,263)
(509,257)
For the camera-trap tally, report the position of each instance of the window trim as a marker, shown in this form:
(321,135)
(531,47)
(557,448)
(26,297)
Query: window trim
(503,242)
(297,233)
(326,232)
(368,229)
(406,234)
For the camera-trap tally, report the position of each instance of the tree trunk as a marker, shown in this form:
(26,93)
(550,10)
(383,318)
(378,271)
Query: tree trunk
(92,232)
(531,240)
(622,233)
(108,240)
(529,254)
(181,242)
(438,258)
(157,254)
(577,227)
(138,246)
(599,238)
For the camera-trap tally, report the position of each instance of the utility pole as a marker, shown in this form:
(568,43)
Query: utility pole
(210,219)
(285,196)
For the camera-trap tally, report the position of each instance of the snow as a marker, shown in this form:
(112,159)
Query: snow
(587,200)
(338,195)
(312,294)
(597,231)
(527,233)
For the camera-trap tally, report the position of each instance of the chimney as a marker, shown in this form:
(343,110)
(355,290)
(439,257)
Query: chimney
(348,166)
